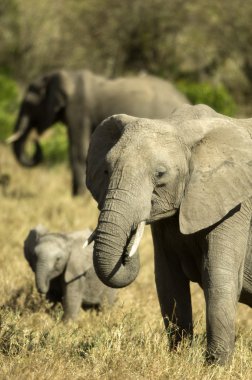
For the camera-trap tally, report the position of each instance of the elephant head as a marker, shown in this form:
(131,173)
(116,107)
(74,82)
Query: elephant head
(197,164)
(47,255)
(52,254)
(43,105)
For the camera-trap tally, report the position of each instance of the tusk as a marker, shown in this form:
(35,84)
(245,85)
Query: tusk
(138,237)
(14,137)
(89,239)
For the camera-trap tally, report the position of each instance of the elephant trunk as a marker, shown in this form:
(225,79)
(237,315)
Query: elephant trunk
(42,279)
(114,263)
(19,139)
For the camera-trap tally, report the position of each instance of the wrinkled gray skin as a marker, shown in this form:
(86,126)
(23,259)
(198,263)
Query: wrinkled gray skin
(64,270)
(191,178)
(81,100)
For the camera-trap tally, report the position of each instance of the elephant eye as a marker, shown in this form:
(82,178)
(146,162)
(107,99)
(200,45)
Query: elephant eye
(106,172)
(160,172)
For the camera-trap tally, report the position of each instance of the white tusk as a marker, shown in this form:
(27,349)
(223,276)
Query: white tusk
(89,239)
(13,137)
(138,237)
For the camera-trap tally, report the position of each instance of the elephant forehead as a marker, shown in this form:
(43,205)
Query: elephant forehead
(149,127)
(141,132)
(136,145)
(49,246)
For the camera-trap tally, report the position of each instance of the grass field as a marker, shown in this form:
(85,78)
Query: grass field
(125,342)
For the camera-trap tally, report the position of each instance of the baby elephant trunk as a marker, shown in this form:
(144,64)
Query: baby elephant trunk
(42,279)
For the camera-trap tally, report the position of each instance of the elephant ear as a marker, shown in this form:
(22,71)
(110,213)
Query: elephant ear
(220,175)
(31,241)
(55,98)
(80,259)
(103,139)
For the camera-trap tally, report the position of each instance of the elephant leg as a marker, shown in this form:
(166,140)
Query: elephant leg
(72,301)
(173,289)
(78,147)
(222,278)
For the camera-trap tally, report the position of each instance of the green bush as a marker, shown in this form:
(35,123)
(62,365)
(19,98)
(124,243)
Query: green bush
(9,96)
(55,146)
(215,96)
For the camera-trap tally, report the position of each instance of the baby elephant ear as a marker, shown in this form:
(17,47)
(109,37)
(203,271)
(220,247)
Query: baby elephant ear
(41,229)
(31,241)
(80,259)
(29,244)
(220,176)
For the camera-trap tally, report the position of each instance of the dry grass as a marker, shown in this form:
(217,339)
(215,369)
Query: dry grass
(126,342)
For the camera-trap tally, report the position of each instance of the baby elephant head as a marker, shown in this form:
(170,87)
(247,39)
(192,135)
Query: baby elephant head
(52,254)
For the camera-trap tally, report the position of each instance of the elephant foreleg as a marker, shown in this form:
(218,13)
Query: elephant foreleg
(72,301)
(222,277)
(173,291)
(79,137)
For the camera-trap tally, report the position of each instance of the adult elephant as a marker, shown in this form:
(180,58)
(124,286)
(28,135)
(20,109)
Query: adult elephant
(81,100)
(191,178)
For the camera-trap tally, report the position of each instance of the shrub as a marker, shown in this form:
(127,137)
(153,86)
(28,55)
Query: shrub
(215,96)
(9,95)
(55,147)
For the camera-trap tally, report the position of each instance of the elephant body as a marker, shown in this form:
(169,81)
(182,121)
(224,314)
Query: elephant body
(64,270)
(181,258)
(81,100)
(190,177)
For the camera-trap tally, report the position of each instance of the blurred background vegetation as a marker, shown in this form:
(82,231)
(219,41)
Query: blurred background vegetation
(203,47)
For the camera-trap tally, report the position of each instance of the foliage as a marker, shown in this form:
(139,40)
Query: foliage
(55,146)
(197,42)
(8,104)
(172,39)
(30,36)
(216,96)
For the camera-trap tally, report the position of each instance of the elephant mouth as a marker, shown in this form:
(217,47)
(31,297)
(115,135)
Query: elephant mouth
(161,215)
(132,243)
(134,240)
(43,289)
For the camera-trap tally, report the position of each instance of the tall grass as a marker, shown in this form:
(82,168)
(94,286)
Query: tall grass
(125,342)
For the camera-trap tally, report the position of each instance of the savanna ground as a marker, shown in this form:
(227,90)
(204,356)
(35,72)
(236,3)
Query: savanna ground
(125,342)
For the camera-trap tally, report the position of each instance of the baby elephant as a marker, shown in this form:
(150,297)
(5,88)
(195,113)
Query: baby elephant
(64,270)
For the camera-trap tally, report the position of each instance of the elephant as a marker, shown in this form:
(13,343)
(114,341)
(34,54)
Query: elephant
(81,100)
(64,270)
(190,177)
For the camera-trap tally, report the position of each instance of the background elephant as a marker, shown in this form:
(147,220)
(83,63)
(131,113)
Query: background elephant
(64,270)
(191,178)
(81,100)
